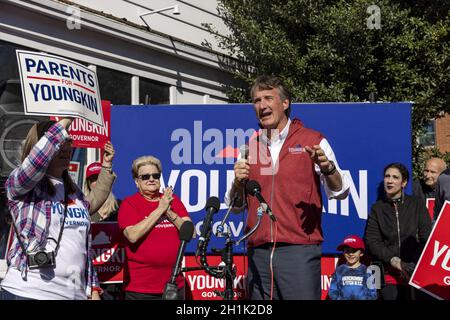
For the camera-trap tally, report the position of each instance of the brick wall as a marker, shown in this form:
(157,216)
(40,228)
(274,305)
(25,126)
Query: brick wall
(443,133)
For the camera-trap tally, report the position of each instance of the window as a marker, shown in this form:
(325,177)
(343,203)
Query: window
(152,92)
(10,100)
(8,61)
(14,125)
(115,86)
(10,92)
(428,139)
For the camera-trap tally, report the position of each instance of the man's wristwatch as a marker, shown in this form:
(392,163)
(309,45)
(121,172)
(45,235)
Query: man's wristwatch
(329,171)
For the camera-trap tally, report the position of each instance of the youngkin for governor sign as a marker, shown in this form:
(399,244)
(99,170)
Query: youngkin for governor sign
(53,85)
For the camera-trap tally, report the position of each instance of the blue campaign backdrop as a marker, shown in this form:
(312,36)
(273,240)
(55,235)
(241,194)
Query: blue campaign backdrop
(188,139)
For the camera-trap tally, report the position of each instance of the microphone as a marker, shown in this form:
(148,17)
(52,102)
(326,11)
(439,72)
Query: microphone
(244,150)
(171,288)
(253,188)
(212,206)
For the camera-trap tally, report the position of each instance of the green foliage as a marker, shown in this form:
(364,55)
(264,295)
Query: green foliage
(326,52)
(424,155)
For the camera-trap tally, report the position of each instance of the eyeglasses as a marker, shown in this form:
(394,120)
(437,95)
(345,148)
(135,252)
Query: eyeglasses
(155,176)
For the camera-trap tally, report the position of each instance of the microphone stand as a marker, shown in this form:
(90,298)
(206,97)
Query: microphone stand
(259,213)
(229,271)
(220,272)
(188,269)
(220,227)
(227,257)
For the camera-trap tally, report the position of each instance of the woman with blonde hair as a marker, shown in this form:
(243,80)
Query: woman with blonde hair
(149,221)
(50,257)
(96,178)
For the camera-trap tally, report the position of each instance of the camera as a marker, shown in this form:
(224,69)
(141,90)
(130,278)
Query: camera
(41,259)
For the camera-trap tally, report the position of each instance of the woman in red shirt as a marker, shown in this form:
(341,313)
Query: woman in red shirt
(150,221)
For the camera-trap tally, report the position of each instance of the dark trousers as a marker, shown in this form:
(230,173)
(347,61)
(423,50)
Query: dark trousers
(129,295)
(141,296)
(296,272)
(403,292)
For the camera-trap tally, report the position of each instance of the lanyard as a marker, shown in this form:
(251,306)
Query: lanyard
(22,246)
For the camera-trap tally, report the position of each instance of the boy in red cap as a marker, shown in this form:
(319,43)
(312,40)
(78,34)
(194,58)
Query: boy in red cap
(351,281)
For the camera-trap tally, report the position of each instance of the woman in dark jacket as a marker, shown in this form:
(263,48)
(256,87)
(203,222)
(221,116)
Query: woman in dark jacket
(396,232)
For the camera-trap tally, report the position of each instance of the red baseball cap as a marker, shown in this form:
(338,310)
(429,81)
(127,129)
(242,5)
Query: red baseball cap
(93,168)
(352,241)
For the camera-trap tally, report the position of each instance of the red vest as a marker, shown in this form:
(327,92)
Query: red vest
(293,191)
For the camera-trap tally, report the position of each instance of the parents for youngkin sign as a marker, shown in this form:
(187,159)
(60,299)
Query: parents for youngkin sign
(57,86)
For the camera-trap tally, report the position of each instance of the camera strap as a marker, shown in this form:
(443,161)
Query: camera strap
(18,238)
(66,202)
(22,246)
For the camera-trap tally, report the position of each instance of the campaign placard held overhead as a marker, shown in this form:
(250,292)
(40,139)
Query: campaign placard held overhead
(55,86)
(85,134)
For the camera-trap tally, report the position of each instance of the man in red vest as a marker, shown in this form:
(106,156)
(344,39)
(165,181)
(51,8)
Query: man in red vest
(289,161)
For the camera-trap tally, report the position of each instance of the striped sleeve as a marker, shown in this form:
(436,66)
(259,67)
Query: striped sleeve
(25,177)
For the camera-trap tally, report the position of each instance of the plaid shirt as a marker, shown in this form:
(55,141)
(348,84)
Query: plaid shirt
(30,204)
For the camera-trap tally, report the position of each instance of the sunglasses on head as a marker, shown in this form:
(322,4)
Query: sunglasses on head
(155,176)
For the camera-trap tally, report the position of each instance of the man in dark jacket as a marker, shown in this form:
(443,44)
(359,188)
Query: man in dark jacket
(442,192)
(425,187)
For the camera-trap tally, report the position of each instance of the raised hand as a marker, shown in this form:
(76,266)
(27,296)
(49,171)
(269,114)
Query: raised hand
(241,170)
(318,156)
(66,122)
(166,199)
(108,156)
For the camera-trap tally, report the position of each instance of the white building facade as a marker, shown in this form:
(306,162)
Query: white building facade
(156,59)
(167,57)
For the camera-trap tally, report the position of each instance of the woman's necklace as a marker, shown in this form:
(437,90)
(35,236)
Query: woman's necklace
(151,198)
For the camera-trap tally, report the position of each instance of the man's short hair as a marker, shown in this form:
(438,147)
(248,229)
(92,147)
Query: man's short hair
(439,161)
(269,82)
